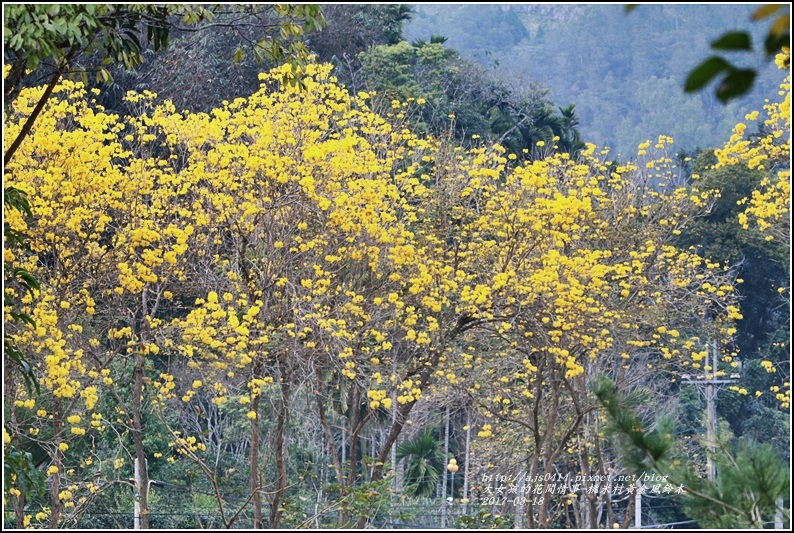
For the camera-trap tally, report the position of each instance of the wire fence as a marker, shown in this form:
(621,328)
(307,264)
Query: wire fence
(178,507)
(174,506)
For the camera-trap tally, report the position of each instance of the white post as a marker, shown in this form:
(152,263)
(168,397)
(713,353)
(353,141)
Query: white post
(444,479)
(452,495)
(466,463)
(638,507)
(136,519)
(711,414)
(779,514)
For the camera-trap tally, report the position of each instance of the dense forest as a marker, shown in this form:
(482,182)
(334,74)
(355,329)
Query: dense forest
(624,71)
(298,266)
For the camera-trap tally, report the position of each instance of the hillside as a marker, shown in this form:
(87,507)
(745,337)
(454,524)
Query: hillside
(624,72)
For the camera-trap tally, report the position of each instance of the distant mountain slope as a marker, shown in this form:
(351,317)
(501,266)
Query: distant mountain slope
(624,72)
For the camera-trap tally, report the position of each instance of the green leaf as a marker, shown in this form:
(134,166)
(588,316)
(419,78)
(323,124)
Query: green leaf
(60,26)
(19,471)
(10,352)
(733,40)
(705,72)
(238,55)
(628,8)
(28,278)
(17,199)
(737,83)
(774,43)
(103,76)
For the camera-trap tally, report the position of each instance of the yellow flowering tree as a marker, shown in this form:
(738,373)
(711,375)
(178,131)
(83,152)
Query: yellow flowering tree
(768,208)
(203,267)
(107,241)
(586,280)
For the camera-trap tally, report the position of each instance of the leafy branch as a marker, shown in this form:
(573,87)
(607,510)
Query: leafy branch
(751,478)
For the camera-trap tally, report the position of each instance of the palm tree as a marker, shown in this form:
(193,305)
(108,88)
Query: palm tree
(425,466)
(570,140)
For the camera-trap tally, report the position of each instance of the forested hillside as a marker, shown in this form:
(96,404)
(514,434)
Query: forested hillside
(289,266)
(623,71)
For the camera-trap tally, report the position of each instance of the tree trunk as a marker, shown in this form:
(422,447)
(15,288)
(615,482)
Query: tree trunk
(538,446)
(589,498)
(253,463)
(354,420)
(520,506)
(282,421)
(397,483)
(399,422)
(329,437)
(548,440)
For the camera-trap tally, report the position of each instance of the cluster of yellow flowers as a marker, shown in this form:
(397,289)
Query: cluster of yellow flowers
(770,205)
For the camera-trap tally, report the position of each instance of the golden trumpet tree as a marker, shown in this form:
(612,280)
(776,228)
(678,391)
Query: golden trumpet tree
(110,236)
(585,279)
(768,207)
(295,238)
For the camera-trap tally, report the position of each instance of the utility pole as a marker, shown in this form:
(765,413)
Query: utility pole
(709,386)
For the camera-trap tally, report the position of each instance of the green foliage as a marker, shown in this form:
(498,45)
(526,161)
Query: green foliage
(718,235)
(35,33)
(425,466)
(457,92)
(643,449)
(737,81)
(20,472)
(61,35)
(58,33)
(370,500)
(750,479)
(389,67)
(17,282)
(352,28)
(294,515)
(484,519)
(294,20)
(226,53)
